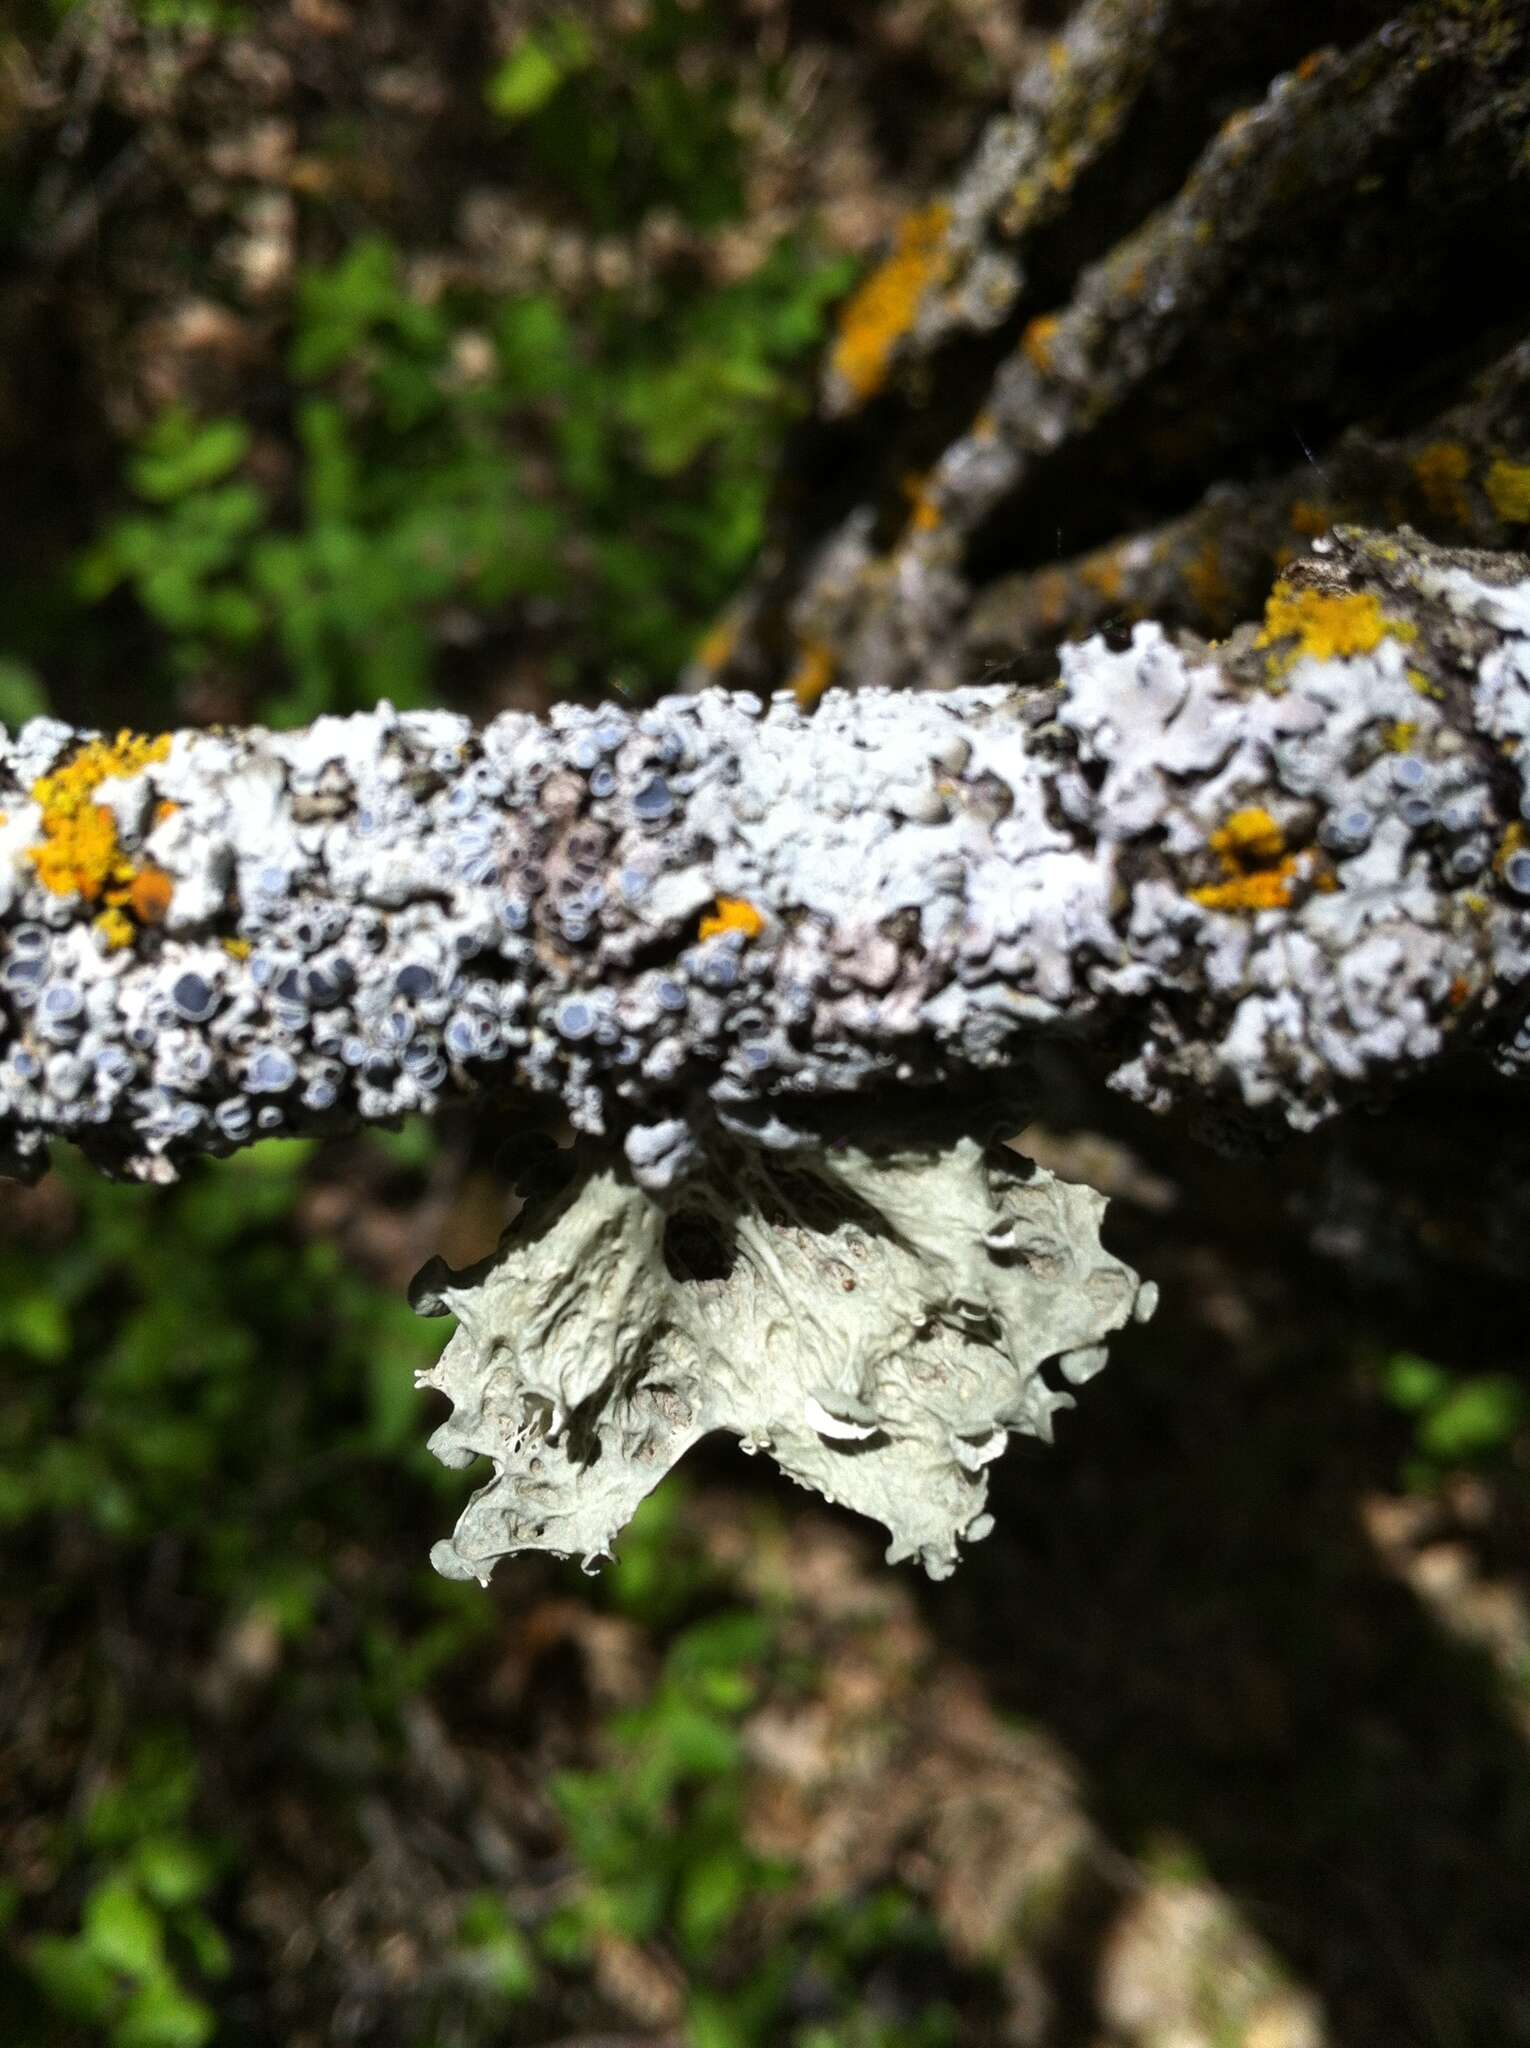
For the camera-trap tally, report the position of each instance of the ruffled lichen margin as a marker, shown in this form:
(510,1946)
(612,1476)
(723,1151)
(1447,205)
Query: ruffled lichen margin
(874,1311)
(1269,878)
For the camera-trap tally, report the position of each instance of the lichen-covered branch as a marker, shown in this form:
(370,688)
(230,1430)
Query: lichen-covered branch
(1460,478)
(1270,876)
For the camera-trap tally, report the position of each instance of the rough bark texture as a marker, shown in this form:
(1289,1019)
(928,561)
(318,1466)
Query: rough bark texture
(1175,268)
(1274,876)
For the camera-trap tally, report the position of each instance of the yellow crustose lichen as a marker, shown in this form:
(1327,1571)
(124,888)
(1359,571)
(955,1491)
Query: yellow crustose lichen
(881,312)
(1508,487)
(80,854)
(733,914)
(1327,625)
(813,674)
(1440,470)
(1259,873)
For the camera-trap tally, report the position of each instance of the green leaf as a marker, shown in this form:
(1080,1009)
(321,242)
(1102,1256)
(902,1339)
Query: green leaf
(180,455)
(73,1978)
(1413,1383)
(209,1950)
(534,346)
(526,80)
(564,1937)
(21,693)
(510,1964)
(711,1895)
(123,1929)
(535,69)
(723,1643)
(698,1744)
(37,1324)
(500,1950)
(173,1870)
(634,1909)
(161,2015)
(1475,1419)
(711,2022)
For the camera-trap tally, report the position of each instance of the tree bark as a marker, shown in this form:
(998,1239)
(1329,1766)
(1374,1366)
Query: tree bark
(1224,276)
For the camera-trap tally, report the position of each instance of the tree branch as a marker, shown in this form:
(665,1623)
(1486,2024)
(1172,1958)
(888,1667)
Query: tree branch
(1197,249)
(1273,876)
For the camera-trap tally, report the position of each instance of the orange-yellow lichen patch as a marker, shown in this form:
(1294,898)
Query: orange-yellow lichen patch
(237,949)
(1310,517)
(1103,573)
(1327,625)
(985,427)
(1250,838)
(813,674)
(1512,842)
(1400,735)
(1039,340)
(1258,872)
(924,512)
(115,929)
(1508,487)
(1206,580)
(80,854)
(716,645)
(1440,470)
(1270,889)
(882,310)
(1053,597)
(149,895)
(732,914)
(1063,169)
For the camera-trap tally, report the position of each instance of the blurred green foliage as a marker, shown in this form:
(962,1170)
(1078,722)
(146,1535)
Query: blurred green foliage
(622,124)
(615,471)
(660,1835)
(1458,1419)
(138,1362)
(145,1940)
(171,16)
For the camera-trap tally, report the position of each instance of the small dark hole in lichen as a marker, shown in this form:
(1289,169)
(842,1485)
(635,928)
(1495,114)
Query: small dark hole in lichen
(697,1247)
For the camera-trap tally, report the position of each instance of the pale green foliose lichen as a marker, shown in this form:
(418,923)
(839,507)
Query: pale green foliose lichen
(875,1317)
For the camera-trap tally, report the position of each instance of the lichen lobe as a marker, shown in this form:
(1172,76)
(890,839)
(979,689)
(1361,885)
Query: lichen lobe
(876,1315)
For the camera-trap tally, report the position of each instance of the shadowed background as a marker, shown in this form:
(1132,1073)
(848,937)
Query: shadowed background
(448,353)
